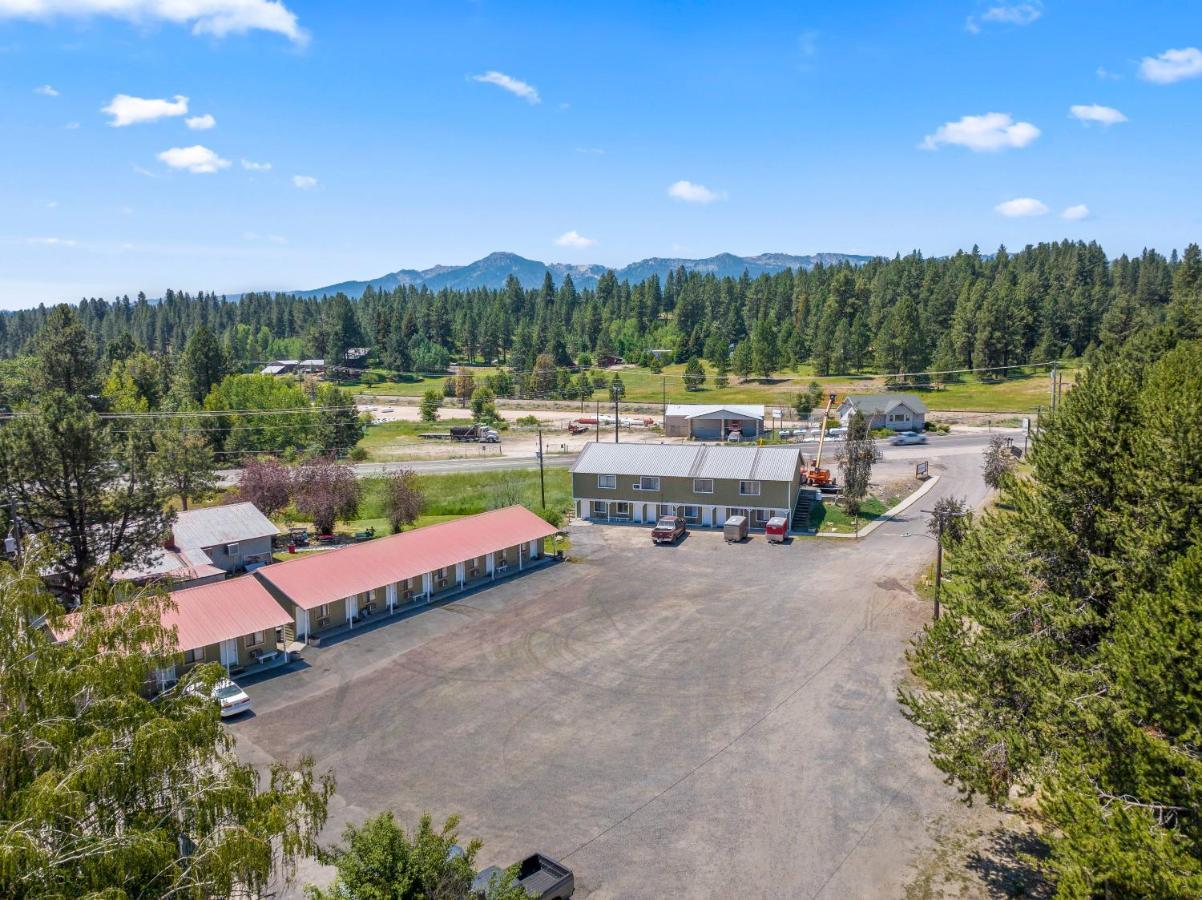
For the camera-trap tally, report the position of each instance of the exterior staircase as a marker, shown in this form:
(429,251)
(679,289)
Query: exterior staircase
(806,498)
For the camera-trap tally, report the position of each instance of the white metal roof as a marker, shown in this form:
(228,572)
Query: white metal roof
(685,461)
(220,525)
(874,404)
(706,411)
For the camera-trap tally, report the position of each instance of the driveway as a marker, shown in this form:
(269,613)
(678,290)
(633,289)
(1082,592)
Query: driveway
(699,720)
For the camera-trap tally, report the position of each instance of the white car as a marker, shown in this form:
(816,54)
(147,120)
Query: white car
(903,438)
(232,698)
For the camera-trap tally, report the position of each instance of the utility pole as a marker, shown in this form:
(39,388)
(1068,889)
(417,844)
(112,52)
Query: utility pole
(665,385)
(614,391)
(598,423)
(938,566)
(1053,389)
(542,482)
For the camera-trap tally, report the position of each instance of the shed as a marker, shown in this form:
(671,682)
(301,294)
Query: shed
(713,423)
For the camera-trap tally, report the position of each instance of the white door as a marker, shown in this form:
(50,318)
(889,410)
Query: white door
(302,623)
(352,606)
(229,653)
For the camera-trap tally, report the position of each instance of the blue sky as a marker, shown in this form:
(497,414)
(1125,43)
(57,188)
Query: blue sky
(607,132)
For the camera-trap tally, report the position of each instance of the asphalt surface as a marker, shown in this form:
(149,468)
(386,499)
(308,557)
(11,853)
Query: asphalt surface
(704,720)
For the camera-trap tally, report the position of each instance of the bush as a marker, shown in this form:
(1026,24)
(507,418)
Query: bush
(370,378)
(552,517)
(357,454)
(529,421)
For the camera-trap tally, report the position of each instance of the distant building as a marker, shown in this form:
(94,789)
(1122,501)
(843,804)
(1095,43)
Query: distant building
(712,422)
(897,412)
(294,366)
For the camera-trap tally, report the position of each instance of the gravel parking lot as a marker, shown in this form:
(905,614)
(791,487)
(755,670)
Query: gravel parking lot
(699,720)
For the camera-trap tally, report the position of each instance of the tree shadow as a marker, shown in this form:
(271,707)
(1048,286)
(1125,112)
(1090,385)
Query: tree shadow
(1008,864)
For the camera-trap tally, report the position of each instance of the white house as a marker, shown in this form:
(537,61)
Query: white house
(897,412)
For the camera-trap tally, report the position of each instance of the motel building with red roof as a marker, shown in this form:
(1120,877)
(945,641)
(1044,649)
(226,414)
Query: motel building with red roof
(235,622)
(332,590)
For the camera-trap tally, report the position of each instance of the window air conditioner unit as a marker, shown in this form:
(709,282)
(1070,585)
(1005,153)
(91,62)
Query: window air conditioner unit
(442,582)
(323,623)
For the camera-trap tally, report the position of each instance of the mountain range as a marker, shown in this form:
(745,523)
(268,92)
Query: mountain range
(494,269)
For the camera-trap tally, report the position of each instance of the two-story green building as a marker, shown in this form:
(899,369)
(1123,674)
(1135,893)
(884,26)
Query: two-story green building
(703,484)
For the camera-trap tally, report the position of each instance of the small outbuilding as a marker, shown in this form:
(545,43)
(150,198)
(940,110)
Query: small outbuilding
(713,423)
(897,412)
(232,537)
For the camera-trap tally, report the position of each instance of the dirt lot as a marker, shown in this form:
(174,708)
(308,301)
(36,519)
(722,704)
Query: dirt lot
(699,720)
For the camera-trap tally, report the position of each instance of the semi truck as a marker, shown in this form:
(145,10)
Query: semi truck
(477,433)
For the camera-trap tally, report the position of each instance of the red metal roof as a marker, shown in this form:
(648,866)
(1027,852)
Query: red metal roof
(323,577)
(217,612)
(212,613)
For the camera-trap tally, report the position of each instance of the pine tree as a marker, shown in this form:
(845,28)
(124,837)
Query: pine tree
(694,375)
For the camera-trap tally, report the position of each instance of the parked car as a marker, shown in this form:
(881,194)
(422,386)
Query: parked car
(903,438)
(232,699)
(542,878)
(667,530)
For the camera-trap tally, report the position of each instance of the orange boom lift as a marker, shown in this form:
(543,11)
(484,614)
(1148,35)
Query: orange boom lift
(815,474)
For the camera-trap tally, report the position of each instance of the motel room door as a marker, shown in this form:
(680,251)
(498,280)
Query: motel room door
(229,653)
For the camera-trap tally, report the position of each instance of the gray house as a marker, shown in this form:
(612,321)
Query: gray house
(703,484)
(898,412)
(232,536)
(713,423)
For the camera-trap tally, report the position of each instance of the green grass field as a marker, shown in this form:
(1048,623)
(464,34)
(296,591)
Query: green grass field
(1021,393)
(388,440)
(458,494)
(829,516)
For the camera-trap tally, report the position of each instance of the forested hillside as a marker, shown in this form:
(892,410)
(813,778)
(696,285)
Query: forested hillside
(908,314)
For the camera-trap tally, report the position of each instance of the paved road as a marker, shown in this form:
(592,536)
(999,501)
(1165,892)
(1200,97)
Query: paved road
(706,720)
(940,445)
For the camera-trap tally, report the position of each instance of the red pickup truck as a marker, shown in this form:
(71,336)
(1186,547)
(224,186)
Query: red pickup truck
(667,530)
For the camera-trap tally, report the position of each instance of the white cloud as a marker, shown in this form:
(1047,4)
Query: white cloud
(215,17)
(574,239)
(53,204)
(1005,14)
(990,132)
(71,126)
(1106,75)
(1076,213)
(252,166)
(1172,65)
(304,182)
(527,92)
(1021,206)
(1104,115)
(51,242)
(46,90)
(694,193)
(200,123)
(196,159)
(127,110)
(591,151)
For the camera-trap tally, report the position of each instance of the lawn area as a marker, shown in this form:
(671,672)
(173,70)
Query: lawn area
(1021,392)
(830,516)
(452,496)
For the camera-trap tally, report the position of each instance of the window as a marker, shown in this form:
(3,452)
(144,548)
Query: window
(323,611)
(665,509)
(600,509)
(619,510)
(194,656)
(647,483)
(749,488)
(703,485)
(255,639)
(608,482)
(231,549)
(691,514)
(759,517)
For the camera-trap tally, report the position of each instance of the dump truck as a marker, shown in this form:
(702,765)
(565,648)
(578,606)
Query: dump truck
(542,878)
